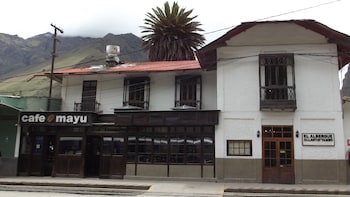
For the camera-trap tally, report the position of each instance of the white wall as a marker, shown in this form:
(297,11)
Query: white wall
(162,91)
(319,107)
(346,123)
(110,89)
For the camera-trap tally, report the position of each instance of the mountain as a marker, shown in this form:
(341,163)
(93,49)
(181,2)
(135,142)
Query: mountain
(21,58)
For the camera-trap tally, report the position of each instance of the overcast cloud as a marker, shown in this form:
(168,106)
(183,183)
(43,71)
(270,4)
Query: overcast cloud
(96,18)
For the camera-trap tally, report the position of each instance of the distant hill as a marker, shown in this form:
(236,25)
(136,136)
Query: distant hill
(21,58)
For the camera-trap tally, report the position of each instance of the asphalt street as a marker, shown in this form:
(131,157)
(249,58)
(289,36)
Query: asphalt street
(79,187)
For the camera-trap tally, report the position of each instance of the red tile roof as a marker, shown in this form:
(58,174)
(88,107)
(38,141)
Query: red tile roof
(207,54)
(163,66)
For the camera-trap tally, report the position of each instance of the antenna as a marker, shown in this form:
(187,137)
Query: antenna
(53,62)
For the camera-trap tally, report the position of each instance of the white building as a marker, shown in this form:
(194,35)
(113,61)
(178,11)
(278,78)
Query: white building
(263,105)
(154,119)
(279,100)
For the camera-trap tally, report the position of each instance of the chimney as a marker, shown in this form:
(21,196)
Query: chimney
(112,58)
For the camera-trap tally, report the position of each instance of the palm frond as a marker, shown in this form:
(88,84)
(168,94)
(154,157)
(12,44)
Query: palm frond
(171,33)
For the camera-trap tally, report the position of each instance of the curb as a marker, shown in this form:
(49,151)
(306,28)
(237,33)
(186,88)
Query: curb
(103,186)
(287,191)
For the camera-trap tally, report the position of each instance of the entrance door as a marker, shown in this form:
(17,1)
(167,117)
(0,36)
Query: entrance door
(37,155)
(50,145)
(278,154)
(113,162)
(92,156)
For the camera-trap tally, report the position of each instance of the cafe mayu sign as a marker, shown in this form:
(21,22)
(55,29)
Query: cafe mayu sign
(55,118)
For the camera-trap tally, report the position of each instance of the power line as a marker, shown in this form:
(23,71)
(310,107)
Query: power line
(277,15)
(299,10)
(273,16)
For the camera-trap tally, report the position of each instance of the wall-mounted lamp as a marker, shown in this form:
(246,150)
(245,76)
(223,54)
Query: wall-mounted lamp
(297,134)
(258,134)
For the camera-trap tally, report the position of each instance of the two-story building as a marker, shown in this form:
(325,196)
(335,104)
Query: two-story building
(279,100)
(136,119)
(263,105)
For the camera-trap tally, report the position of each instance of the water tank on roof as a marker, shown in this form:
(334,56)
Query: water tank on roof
(112,58)
(112,50)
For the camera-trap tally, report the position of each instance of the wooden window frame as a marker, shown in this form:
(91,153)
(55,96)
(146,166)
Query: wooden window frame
(88,97)
(188,91)
(178,145)
(277,81)
(136,92)
(230,151)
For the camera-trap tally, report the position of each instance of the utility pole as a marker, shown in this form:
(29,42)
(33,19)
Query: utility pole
(52,63)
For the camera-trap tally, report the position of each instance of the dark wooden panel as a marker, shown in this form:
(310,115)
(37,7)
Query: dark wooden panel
(36,167)
(286,175)
(112,166)
(23,164)
(270,105)
(170,118)
(105,166)
(68,165)
(118,165)
(61,165)
(75,165)
(271,175)
(140,119)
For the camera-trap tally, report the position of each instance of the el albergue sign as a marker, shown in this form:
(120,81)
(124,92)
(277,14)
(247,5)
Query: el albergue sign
(56,118)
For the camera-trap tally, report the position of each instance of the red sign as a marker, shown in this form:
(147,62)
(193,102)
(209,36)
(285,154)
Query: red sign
(348,142)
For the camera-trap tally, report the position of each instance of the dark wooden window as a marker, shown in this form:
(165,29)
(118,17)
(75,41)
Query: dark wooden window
(277,87)
(113,145)
(88,99)
(70,145)
(171,145)
(188,91)
(145,146)
(136,92)
(160,147)
(239,147)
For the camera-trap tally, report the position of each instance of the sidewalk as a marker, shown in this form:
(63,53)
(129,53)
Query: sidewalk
(195,188)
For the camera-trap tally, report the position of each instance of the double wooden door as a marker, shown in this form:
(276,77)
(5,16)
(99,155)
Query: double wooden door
(104,156)
(278,154)
(37,155)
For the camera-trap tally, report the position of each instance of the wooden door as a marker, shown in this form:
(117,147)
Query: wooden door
(113,162)
(92,156)
(37,155)
(278,154)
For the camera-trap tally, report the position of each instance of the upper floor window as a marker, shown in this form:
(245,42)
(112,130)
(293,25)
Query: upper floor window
(88,97)
(136,92)
(277,86)
(188,92)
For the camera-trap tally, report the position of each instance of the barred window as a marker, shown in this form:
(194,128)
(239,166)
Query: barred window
(188,91)
(136,92)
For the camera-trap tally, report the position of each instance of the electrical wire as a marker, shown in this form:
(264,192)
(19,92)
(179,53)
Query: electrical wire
(277,15)
(273,16)
(81,63)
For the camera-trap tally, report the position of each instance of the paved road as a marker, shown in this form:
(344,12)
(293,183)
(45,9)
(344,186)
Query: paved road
(154,194)
(77,187)
(161,190)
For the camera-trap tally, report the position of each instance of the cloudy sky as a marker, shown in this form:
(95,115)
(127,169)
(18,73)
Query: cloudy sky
(96,18)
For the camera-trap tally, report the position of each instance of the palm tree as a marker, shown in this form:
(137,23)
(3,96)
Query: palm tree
(172,34)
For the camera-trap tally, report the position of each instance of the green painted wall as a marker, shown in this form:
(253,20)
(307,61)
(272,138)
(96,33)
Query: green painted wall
(10,106)
(30,103)
(8,131)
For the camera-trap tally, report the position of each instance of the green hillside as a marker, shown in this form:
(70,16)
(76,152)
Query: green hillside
(33,56)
